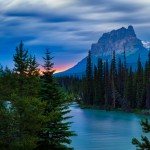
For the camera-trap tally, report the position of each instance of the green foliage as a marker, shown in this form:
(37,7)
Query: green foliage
(89,81)
(21,59)
(33,109)
(145,142)
(20,122)
(110,85)
(55,135)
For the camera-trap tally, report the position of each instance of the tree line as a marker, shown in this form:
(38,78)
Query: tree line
(33,108)
(111,85)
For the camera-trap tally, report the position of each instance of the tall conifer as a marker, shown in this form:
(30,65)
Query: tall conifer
(55,135)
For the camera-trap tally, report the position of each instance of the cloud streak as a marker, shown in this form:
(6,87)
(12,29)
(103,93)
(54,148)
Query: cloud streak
(67,27)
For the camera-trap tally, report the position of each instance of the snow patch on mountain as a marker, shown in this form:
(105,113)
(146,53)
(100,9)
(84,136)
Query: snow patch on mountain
(146,44)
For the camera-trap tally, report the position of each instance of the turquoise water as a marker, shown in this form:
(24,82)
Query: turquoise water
(103,130)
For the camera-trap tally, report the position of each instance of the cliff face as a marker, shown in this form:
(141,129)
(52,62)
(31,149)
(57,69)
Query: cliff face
(117,40)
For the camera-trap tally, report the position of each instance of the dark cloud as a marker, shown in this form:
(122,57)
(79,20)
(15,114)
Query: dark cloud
(68,27)
(21,14)
(49,16)
(113,6)
(131,19)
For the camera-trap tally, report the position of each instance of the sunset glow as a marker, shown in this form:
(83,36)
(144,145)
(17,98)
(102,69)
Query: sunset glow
(62,68)
(58,69)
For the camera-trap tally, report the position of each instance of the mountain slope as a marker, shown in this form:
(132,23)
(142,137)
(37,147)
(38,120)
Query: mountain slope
(118,40)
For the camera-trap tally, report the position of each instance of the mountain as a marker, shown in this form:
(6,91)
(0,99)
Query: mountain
(118,41)
(146,44)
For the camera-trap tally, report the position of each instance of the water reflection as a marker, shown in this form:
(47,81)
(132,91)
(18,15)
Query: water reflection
(103,130)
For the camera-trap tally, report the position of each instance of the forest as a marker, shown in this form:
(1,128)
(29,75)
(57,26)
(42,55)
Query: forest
(34,104)
(33,108)
(111,85)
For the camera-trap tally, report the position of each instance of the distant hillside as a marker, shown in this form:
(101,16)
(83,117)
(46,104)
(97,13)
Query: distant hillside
(118,40)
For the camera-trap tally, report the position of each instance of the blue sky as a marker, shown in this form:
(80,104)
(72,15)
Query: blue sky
(66,27)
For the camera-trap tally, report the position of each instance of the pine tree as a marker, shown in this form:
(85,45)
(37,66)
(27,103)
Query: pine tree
(107,85)
(95,86)
(147,82)
(21,65)
(148,95)
(22,111)
(100,89)
(33,77)
(121,86)
(27,120)
(55,135)
(129,89)
(22,115)
(145,144)
(89,81)
(21,60)
(113,79)
(32,66)
(120,77)
(7,83)
(139,89)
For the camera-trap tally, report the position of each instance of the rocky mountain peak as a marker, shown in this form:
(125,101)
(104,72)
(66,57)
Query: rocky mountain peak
(114,40)
(117,40)
(130,31)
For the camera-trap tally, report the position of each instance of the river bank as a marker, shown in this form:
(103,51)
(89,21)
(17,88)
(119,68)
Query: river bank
(134,111)
(104,130)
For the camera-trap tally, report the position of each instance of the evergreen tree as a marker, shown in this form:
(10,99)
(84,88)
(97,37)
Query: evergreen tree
(89,81)
(22,115)
(129,89)
(33,77)
(139,89)
(100,88)
(95,86)
(114,85)
(147,82)
(27,120)
(7,83)
(107,85)
(55,135)
(32,66)
(145,144)
(84,89)
(113,79)
(21,60)
(23,109)
(120,77)
(21,65)
(148,95)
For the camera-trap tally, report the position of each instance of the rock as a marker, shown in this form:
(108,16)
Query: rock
(117,40)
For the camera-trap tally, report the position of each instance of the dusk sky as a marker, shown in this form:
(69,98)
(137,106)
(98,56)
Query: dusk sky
(66,27)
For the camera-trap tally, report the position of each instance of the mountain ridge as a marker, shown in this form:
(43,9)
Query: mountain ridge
(115,40)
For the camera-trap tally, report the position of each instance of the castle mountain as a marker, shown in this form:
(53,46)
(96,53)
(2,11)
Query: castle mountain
(120,40)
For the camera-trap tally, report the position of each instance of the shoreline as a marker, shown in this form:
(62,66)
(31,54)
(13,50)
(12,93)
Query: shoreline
(144,112)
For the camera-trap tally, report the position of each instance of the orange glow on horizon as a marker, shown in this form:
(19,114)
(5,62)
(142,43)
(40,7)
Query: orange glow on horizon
(57,69)
(62,68)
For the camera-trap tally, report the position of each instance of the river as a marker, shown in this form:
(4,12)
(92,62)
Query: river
(104,130)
